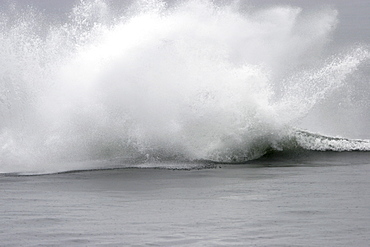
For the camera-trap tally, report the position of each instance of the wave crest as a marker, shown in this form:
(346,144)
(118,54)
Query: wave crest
(194,81)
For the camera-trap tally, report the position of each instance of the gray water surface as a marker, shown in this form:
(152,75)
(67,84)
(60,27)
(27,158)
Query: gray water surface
(237,205)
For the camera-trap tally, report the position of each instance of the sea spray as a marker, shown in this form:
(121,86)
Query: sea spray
(193,81)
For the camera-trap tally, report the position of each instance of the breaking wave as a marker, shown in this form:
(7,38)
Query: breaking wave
(156,83)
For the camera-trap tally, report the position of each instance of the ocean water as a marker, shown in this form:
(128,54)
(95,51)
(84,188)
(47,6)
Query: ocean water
(189,123)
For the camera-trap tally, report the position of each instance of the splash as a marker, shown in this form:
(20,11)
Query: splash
(194,81)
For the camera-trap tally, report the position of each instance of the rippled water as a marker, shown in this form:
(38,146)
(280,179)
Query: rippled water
(320,203)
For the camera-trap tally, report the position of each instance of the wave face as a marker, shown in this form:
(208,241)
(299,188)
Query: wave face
(190,81)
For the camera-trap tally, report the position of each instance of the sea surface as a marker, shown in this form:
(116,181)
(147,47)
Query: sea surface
(317,202)
(184,123)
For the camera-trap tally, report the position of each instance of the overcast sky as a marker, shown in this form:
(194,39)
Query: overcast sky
(354,15)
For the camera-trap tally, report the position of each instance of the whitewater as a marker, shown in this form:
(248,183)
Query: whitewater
(184,123)
(154,83)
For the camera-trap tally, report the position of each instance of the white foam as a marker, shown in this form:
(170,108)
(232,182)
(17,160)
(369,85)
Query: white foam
(193,81)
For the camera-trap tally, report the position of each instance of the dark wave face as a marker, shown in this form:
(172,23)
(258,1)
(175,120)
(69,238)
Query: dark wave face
(161,83)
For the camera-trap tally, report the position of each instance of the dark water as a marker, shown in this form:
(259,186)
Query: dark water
(320,203)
